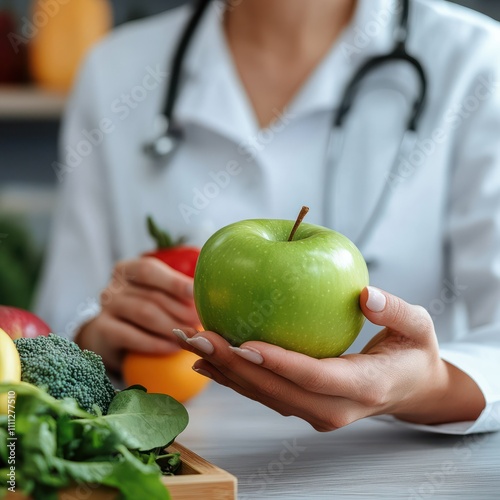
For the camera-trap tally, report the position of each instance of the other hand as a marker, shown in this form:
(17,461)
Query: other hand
(143,302)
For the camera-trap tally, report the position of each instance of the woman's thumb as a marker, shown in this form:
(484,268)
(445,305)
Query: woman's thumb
(390,311)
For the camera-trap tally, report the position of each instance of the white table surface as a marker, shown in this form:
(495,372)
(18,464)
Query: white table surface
(368,459)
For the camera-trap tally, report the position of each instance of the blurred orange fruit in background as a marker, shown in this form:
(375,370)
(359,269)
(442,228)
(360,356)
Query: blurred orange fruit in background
(170,374)
(63,32)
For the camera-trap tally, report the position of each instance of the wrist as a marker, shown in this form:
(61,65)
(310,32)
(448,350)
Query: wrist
(451,396)
(90,336)
(83,336)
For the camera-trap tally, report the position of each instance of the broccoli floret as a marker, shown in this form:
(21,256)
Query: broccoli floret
(64,370)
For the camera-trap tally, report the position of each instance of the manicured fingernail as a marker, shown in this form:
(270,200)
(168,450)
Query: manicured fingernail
(202,344)
(376,300)
(249,354)
(203,372)
(180,334)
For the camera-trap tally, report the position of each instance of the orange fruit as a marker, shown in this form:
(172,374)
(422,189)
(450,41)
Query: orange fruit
(170,374)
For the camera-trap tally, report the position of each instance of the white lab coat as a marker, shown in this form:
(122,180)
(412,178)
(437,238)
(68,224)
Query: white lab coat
(438,242)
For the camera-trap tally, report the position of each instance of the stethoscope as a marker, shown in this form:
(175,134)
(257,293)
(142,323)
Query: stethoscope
(170,134)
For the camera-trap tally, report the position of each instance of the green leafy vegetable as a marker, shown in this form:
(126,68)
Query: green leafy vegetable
(146,421)
(59,444)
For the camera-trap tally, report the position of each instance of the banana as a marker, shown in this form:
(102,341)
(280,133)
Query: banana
(10,366)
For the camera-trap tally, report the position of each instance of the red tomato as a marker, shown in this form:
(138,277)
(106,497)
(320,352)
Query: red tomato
(168,374)
(181,258)
(175,254)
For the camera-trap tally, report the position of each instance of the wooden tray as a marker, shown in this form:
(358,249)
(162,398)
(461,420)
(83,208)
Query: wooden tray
(197,479)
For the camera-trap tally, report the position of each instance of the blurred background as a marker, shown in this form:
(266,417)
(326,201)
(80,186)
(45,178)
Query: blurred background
(33,91)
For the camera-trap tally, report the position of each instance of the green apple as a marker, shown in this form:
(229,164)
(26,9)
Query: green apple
(252,283)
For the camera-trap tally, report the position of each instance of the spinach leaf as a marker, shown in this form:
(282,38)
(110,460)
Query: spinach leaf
(146,421)
(37,401)
(41,437)
(89,440)
(130,475)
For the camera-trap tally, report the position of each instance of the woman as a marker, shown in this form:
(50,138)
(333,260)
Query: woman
(260,83)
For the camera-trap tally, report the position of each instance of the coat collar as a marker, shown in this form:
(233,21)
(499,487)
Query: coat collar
(213,97)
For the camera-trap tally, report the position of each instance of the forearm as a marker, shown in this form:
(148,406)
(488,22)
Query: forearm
(453,397)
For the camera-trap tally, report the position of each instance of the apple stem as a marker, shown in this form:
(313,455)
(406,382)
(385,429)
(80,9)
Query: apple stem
(300,218)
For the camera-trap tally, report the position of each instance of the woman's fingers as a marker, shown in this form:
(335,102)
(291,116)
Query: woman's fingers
(151,296)
(148,307)
(150,272)
(323,412)
(334,377)
(111,337)
(282,407)
(399,317)
(352,378)
(125,336)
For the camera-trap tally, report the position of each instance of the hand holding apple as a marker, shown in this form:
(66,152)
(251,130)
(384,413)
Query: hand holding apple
(399,372)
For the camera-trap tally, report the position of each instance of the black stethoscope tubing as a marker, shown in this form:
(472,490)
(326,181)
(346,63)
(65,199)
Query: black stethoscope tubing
(165,144)
(399,53)
(336,138)
(154,148)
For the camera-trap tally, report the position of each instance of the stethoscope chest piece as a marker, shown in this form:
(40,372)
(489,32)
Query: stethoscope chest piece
(165,141)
